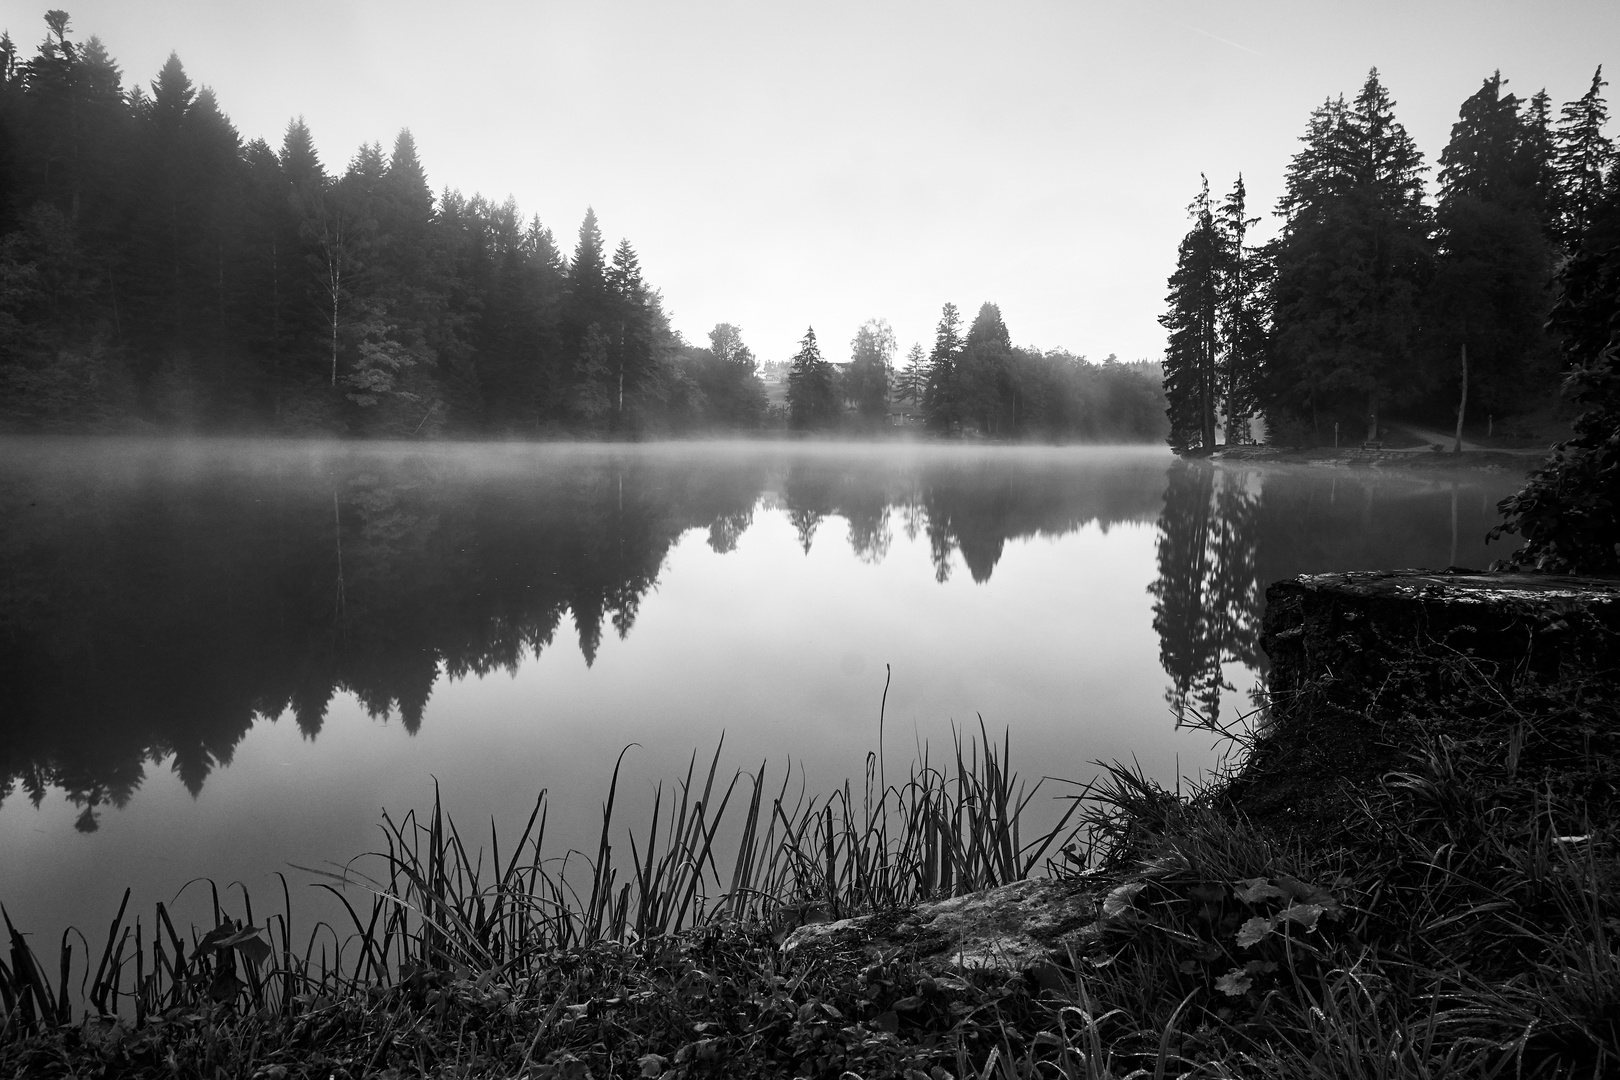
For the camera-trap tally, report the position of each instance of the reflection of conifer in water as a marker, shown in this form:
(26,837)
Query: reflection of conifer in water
(161,618)
(726,529)
(1181,609)
(1208,597)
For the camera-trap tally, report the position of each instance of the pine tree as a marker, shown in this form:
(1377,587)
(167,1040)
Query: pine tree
(1242,330)
(1349,267)
(302,165)
(1488,298)
(1487,156)
(1583,159)
(812,394)
(587,275)
(1539,151)
(635,332)
(986,379)
(912,378)
(1191,382)
(941,405)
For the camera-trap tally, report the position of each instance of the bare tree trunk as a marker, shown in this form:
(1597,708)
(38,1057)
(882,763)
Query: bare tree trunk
(1462,406)
(1372,416)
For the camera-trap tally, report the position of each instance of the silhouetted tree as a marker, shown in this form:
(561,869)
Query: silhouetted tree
(1351,264)
(812,394)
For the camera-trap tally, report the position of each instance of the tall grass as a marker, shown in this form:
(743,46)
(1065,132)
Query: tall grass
(430,902)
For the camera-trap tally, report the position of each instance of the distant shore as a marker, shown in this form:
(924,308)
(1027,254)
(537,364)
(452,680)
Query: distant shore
(1522,460)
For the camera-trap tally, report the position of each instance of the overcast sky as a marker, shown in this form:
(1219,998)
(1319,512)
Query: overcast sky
(779,165)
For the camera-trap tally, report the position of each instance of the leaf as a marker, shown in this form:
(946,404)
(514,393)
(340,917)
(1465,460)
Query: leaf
(887,1021)
(1117,902)
(1310,894)
(1252,931)
(1303,914)
(909,1004)
(1234,983)
(255,950)
(1257,889)
(652,1065)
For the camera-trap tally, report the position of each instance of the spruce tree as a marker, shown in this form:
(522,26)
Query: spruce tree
(634,332)
(812,393)
(1191,382)
(1242,330)
(986,378)
(1349,267)
(1538,152)
(941,404)
(912,378)
(1583,159)
(1488,299)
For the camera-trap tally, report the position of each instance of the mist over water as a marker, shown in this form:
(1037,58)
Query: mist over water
(224,657)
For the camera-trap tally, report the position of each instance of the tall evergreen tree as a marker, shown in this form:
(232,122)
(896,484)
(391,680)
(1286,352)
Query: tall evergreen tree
(812,393)
(1350,266)
(913,377)
(1583,159)
(1488,299)
(1242,317)
(986,377)
(941,403)
(1191,377)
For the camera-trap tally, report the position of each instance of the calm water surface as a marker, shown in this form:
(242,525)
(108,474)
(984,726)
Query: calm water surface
(223,658)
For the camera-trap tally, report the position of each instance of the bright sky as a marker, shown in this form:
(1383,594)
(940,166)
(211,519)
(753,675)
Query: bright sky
(779,165)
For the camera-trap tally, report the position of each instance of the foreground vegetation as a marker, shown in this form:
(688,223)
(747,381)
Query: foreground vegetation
(1449,910)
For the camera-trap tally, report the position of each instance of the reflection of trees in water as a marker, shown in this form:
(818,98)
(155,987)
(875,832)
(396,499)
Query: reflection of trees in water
(1226,533)
(158,614)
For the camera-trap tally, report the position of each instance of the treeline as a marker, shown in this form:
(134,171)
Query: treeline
(155,266)
(1372,301)
(157,269)
(976,383)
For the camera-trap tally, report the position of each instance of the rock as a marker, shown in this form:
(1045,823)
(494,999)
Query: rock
(1364,666)
(1339,634)
(1011,928)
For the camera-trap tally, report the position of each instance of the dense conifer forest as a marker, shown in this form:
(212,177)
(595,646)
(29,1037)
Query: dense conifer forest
(159,271)
(1372,301)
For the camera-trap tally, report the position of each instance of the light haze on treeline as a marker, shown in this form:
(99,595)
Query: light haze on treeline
(778,167)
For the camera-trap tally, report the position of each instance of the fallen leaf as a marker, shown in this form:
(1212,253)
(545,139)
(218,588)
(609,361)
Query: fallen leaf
(1117,902)
(1252,931)
(1257,889)
(1303,914)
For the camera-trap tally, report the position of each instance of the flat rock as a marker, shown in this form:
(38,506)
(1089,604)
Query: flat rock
(1010,928)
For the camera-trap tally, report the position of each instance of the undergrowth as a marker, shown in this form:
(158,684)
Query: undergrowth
(1457,918)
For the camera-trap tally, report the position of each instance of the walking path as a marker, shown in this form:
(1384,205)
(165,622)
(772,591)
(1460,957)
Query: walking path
(1449,441)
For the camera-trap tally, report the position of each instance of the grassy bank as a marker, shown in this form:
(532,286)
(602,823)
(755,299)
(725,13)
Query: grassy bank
(1454,915)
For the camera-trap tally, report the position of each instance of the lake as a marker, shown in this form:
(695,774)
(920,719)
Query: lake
(227,658)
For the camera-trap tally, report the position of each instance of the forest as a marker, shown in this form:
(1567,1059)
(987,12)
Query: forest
(159,272)
(1372,303)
